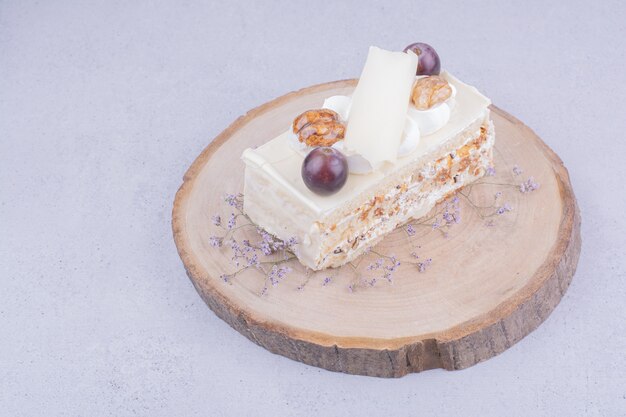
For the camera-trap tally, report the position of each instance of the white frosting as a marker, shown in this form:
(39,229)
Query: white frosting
(410,137)
(283,163)
(340,105)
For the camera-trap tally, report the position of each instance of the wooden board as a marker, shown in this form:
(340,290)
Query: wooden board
(486,288)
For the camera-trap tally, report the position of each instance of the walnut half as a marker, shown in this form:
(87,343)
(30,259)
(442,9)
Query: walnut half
(429,92)
(319,127)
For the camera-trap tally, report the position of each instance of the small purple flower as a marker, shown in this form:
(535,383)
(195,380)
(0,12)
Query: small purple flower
(327,281)
(422,266)
(273,276)
(504,209)
(217,220)
(376,265)
(517,170)
(247,246)
(215,241)
(410,230)
(234,200)
(253,260)
(436,225)
(278,273)
(497,195)
(232,221)
(283,271)
(490,172)
(528,186)
(265,248)
(394,264)
(225,277)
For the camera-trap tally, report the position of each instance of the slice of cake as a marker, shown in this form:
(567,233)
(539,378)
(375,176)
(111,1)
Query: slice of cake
(408,142)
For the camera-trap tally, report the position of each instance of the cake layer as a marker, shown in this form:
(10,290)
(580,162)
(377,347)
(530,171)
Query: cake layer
(333,230)
(342,235)
(410,195)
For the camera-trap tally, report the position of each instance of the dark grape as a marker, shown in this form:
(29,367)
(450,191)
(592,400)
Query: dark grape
(429,63)
(325,170)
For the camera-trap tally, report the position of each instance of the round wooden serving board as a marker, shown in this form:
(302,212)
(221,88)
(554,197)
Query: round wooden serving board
(487,286)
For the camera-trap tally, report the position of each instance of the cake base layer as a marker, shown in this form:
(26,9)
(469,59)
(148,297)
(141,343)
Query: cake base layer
(413,195)
(341,235)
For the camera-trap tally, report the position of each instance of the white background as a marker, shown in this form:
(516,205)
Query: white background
(103,106)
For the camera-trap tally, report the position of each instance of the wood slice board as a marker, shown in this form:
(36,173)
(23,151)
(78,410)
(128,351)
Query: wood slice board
(486,288)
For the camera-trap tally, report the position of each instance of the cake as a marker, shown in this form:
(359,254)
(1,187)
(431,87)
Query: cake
(406,139)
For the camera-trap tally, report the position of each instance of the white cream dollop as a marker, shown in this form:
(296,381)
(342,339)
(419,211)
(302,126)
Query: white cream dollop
(340,105)
(433,119)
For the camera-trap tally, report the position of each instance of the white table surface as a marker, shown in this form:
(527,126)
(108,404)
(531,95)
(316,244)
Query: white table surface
(104,106)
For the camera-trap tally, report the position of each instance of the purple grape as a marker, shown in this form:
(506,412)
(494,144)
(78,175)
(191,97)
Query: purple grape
(325,170)
(429,63)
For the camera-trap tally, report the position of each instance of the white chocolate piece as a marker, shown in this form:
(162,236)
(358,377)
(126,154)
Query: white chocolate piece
(379,105)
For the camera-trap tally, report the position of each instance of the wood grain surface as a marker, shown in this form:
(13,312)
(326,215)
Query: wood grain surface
(487,287)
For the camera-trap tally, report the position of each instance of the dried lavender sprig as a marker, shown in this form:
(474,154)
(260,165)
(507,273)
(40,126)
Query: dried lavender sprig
(528,186)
